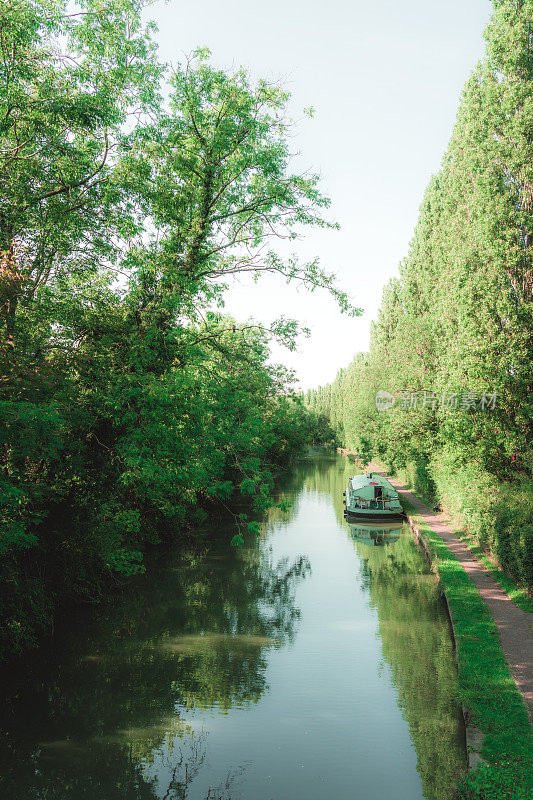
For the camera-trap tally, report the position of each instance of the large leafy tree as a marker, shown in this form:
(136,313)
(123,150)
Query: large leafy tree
(70,77)
(215,189)
(130,406)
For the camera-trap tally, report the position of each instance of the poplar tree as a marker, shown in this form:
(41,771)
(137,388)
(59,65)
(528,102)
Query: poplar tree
(458,322)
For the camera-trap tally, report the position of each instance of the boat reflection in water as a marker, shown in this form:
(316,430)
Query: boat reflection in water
(375,534)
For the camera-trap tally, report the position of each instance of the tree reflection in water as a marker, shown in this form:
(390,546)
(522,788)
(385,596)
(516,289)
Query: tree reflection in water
(113,709)
(415,634)
(93,711)
(184,767)
(417,645)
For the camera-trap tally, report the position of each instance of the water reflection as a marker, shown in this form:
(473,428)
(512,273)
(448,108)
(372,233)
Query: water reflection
(96,709)
(414,628)
(375,535)
(417,646)
(226,673)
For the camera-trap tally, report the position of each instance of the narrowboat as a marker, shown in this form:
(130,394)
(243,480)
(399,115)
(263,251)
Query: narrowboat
(371,496)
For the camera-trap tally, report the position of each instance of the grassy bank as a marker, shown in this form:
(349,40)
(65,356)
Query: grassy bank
(517,592)
(486,686)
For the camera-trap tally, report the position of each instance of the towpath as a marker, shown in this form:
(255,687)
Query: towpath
(514,624)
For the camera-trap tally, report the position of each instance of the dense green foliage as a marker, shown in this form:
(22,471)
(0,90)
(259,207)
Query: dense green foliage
(456,326)
(130,405)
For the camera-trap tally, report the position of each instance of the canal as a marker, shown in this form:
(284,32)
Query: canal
(314,662)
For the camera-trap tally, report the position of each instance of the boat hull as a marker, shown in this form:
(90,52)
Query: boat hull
(369,514)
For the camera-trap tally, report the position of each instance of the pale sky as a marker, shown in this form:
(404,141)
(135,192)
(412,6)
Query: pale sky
(385,81)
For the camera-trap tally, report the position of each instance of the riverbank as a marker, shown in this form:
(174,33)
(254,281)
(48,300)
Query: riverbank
(513,624)
(487,689)
(477,542)
(82,539)
(519,594)
(495,705)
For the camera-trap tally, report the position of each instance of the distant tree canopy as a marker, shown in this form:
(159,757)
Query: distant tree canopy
(456,326)
(130,405)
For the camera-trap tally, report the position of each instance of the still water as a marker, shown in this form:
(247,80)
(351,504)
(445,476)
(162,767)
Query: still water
(314,663)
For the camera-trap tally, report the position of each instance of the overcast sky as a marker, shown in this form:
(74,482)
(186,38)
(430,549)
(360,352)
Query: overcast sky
(385,81)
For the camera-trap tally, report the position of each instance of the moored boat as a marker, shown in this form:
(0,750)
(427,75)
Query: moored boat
(371,496)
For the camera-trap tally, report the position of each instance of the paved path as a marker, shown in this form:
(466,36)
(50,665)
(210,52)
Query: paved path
(514,624)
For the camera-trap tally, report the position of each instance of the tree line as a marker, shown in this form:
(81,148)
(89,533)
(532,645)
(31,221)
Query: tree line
(444,395)
(131,405)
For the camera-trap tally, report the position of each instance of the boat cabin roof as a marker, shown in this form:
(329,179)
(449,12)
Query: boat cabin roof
(370,479)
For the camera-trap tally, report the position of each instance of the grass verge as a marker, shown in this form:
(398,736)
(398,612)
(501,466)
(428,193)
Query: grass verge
(486,686)
(516,593)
